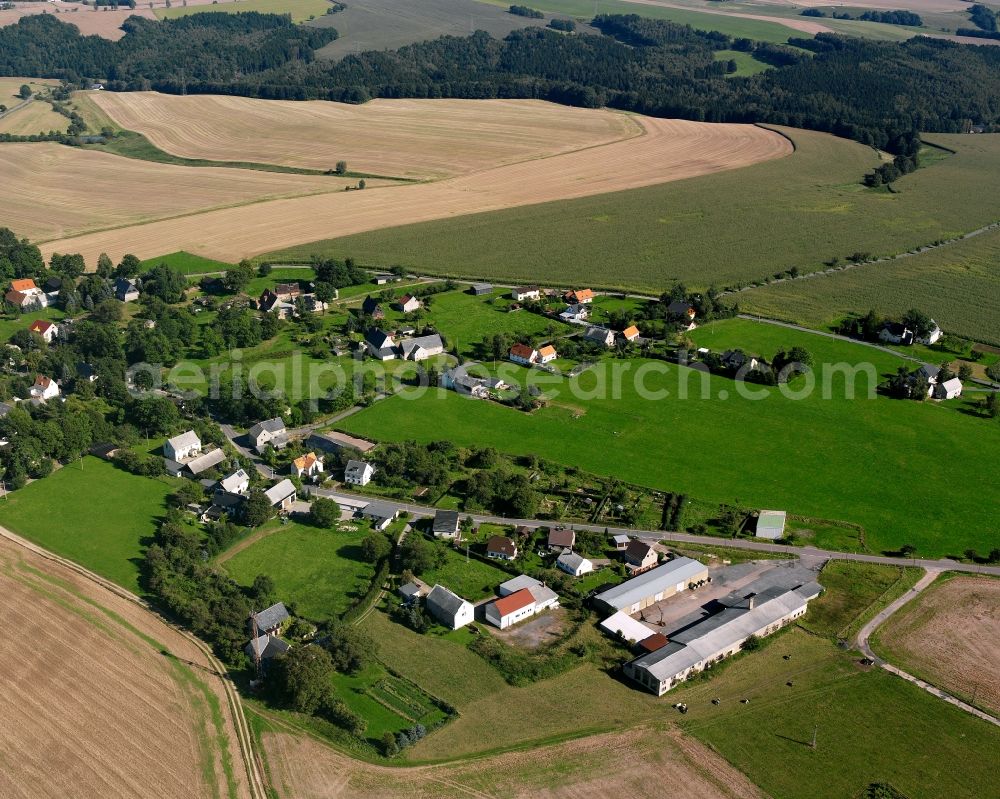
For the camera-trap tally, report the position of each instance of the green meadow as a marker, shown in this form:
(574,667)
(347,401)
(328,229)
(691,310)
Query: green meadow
(729,228)
(93,513)
(901,469)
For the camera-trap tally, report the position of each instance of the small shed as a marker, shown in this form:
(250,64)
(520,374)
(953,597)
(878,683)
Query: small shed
(771,524)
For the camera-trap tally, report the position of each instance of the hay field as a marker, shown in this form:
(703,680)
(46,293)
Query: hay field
(950,636)
(669,150)
(36,117)
(91,706)
(302,768)
(405,138)
(52,191)
(300,10)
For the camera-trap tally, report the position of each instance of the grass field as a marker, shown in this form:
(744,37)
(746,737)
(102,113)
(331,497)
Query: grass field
(851,591)
(91,21)
(300,10)
(54,191)
(746,64)
(320,571)
(409,138)
(669,150)
(471,579)
(107,693)
(187,264)
(870,726)
(388,24)
(957,285)
(52,512)
(772,452)
(949,636)
(725,229)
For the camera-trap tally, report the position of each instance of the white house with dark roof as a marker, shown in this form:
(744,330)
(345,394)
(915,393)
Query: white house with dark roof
(522,293)
(449,608)
(421,348)
(265,647)
(949,389)
(575,564)
(600,335)
(358,473)
(446,524)
(380,514)
(270,619)
(126,290)
(269,432)
(381,345)
(236,483)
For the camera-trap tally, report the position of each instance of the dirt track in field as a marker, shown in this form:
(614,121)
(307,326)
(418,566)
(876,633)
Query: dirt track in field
(669,150)
(950,636)
(641,764)
(90,707)
(401,138)
(52,191)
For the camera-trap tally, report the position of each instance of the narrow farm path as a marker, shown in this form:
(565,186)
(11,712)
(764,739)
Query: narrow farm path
(864,635)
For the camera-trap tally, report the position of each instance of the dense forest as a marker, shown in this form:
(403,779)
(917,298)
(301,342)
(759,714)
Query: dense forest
(879,93)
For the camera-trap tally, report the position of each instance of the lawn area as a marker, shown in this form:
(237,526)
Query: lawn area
(729,228)
(10,324)
(300,10)
(870,726)
(855,591)
(806,456)
(187,263)
(98,515)
(321,572)
(957,285)
(471,579)
(746,64)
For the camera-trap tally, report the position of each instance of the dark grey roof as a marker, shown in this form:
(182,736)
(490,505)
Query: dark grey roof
(5,408)
(271,617)
(227,501)
(409,590)
(380,510)
(265,647)
(370,305)
(482,288)
(679,308)
(275,425)
(426,342)
(446,521)
(442,602)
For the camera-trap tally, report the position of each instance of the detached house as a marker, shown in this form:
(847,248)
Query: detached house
(126,290)
(600,335)
(236,483)
(895,333)
(561,539)
(933,335)
(271,431)
(579,297)
(270,620)
(449,608)
(380,345)
(358,473)
(446,524)
(523,293)
(572,563)
(47,330)
(380,514)
(640,556)
(511,609)
(282,495)
(631,334)
(270,302)
(501,548)
(421,348)
(183,447)
(547,353)
(737,360)
(523,354)
(683,312)
(949,389)
(25,294)
(575,314)
(370,307)
(44,388)
(307,466)
(408,304)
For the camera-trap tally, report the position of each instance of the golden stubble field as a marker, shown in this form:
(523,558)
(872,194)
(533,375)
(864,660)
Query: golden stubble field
(668,150)
(91,706)
(642,763)
(950,636)
(52,191)
(423,139)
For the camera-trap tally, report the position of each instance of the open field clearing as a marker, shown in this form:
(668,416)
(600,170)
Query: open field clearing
(100,697)
(300,10)
(675,444)
(957,285)
(9,88)
(950,637)
(52,191)
(670,150)
(389,24)
(110,543)
(103,22)
(404,138)
(304,769)
(35,117)
(725,228)
(870,726)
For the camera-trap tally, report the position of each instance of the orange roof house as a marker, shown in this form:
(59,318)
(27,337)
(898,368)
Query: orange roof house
(514,602)
(580,296)
(631,333)
(547,353)
(41,326)
(523,353)
(23,285)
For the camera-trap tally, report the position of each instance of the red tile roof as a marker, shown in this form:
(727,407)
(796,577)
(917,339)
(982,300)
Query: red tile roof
(501,544)
(522,351)
(654,642)
(40,326)
(514,602)
(23,285)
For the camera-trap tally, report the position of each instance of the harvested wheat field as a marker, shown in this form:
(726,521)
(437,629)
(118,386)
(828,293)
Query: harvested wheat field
(52,191)
(100,697)
(668,150)
(950,636)
(104,22)
(35,117)
(644,762)
(401,138)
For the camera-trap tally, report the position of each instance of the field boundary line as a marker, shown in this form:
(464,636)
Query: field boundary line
(253,765)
